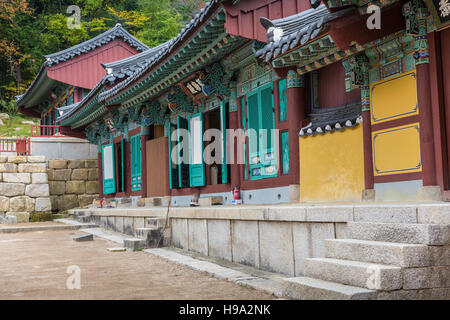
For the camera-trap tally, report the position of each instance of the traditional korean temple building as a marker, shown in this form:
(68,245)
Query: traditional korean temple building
(359,114)
(66,77)
(374,102)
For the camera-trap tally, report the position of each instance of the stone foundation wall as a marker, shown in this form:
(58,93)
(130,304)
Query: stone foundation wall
(24,186)
(73,183)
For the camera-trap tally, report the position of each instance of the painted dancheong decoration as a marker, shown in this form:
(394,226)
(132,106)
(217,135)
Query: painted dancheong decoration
(332,110)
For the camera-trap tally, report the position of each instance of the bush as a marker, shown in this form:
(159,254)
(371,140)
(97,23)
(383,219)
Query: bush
(41,216)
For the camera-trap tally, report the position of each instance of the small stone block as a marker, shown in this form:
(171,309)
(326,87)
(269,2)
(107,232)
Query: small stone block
(124,200)
(17,159)
(87,237)
(134,244)
(368,195)
(116,249)
(210,201)
(429,193)
(57,164)
(141,202)
(36,159)
(153,202)
(10,220)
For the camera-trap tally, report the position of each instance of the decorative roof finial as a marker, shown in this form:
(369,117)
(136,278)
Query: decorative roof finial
(315,3)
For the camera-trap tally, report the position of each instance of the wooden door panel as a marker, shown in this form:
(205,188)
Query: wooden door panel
(157,167)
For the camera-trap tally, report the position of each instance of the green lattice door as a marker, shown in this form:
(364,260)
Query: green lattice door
(173,155)
(183,168)
(108,169)
(262,139)
(196,163)
(136,163)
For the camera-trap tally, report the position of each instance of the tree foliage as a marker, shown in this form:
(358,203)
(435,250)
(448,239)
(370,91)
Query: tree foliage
(30,29)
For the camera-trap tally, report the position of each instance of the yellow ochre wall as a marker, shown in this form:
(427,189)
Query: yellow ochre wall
(332,166)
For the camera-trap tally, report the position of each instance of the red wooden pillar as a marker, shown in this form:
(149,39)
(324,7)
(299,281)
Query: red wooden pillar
(416,19)
(296,106)
(367,138)
(426,125)
(144,139)
(367,141)
(422,56)
(241,117)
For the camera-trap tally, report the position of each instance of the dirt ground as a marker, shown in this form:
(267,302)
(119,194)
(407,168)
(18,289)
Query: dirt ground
(34,224)
(33,265)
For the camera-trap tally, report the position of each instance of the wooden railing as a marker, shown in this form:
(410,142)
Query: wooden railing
(20,146)
(44,130)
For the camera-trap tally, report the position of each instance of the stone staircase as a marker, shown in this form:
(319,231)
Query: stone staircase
(155,233)
(379,260)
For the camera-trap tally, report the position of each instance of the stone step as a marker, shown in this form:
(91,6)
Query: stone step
(359,274)
(430,234)
(143,233)
(155,222)
(134,244)
(397,254)
(304,288)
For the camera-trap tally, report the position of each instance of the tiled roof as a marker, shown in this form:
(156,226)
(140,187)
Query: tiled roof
(78,105)
(325,120)
(158,57)
(117,70)
(117,32)
(128,66)
(315,3)
(285,34)
(67,108)
(42,71)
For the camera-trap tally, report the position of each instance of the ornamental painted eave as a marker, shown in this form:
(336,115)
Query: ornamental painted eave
(360,4)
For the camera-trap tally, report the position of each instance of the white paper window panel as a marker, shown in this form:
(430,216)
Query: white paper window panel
(196,141)
(108,162)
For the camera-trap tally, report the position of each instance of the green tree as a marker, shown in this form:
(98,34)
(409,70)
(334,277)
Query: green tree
(163,23)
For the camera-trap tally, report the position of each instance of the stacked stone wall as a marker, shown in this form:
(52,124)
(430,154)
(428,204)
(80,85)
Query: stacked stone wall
(24,187)
(73,183)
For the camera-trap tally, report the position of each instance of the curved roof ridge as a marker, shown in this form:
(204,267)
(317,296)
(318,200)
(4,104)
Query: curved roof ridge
(126,67)
(91,44)
(198,18)
(287,33)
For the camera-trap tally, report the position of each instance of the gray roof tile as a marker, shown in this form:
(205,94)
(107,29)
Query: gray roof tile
(128,66)
(330,119)
(287,33)
(117,32)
